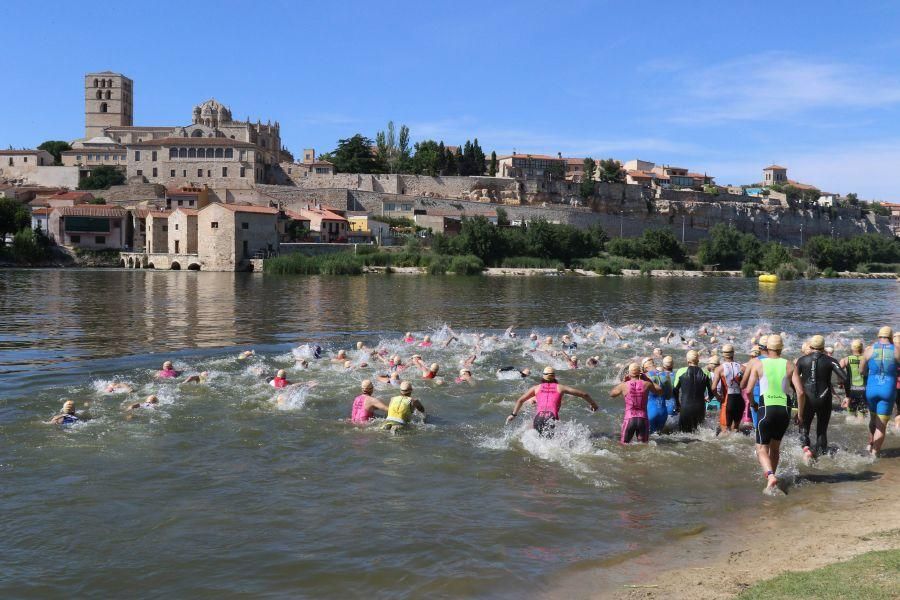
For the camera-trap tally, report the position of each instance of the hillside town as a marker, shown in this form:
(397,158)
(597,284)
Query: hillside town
(217,194)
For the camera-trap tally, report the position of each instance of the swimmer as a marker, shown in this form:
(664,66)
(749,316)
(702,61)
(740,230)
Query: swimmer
(246,354)
(408,338)
(667,380)
(280,380)
(571,360)
(365,405)
(426,342)
(400,409)
(200,377)
(119,388)
(692,387)
(815,371)
(317,352)
(509,333)
(151,402)
(657,353)
(548,343)
(567,343)
(67,416)
(592,362)
(774,375)
(431,371)
(636,389)
(348,366)
(533,341)
(879,367)
(657,412)
(548,398)
(340,358)
(302,364)
(465,376)
(522,372)
(729,374)
(167,371)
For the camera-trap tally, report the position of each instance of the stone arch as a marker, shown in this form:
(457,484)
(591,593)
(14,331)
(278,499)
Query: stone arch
(108,94)
(192,152)
(143,263)
(193,267)
(250,267)
(123,263)
(103,83)
(103,107)
(99,95)
(109,83)
(219,152)
(182,153)
(96,82)
(150,266)
(197,133)
(175,266)
(229,153)
(173,152)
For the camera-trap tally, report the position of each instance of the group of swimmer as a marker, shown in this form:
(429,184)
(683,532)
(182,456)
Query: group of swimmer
(763,395)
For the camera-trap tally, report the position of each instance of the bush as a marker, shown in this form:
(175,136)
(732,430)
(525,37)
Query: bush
(829,273)
(466,265)
(439,266)
(607,265)
(748,269)
(876,267)
(30,246)
(787,272)
(342,263)
(653,244)
(729,248)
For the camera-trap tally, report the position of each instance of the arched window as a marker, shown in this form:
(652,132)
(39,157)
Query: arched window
(109,83)
(173,152)
(182,153)
(192,153)
(229,153)
(103,107)
(99,95)
(96,82)
(197,133)
(108,94)
(219,153)
(103,83)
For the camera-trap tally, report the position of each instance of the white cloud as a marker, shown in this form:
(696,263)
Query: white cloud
(775,86)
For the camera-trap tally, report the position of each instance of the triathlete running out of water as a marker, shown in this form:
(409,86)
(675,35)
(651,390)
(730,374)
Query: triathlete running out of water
(815,370)
(729,374)
(880,369)
(775,375)
(692,385)
(168,372)
(67,416)
(547,397)
(897,395)
(758,354)
(150,402)
(400,409)
(855,384)
(636,388)
(365,405)
(657,412)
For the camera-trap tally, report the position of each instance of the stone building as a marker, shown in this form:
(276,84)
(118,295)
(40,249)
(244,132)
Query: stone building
(214,162)
(775,174)
(88,226)
(229,235)
(93,152)
(157,232)
(108,102)
(330,225)
(183,231)
(530,165)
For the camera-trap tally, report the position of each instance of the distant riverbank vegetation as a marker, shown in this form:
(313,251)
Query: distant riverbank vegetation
(543,245)
(28,246)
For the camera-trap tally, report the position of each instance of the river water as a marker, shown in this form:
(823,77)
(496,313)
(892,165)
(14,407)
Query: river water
(221,492)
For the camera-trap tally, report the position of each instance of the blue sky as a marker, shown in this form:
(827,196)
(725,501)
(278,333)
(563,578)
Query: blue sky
(719,87)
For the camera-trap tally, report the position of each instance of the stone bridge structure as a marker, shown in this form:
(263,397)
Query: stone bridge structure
(162,260)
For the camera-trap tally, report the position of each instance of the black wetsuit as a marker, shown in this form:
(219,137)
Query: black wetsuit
(815,372)
(692,387)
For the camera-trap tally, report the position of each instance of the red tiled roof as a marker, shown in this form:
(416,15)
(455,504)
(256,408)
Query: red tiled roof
(43,210)
(575,161)
(91,210)
(697,175)
(159,214)
(775,167)
(295,216)
(141,213)
(23,151)
(193,141)
(533,156)
(323,212)
(69,196)
(191,212)
(174,191)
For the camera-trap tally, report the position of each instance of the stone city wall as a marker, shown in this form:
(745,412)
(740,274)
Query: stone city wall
(46,176)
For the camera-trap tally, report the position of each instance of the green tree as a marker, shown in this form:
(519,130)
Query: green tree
(492,169)
(393,148)
(101,178)
(729,248)
(557,171)
(427,159)
(477,158)
(354,155)
(502,217)
(13,218)
(879,209)
(611,171)
(460,162)
(97,200)
(852,199)
(587,182)
(56,148)
(480,237)
(450,166)
(773,256)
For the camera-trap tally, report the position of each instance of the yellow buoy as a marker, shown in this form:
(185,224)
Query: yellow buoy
(767,278)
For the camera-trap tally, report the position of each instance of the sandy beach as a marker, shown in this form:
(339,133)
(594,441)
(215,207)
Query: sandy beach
(827,519)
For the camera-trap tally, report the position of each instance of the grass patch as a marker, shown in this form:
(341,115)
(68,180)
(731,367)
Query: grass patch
(531,262)
(871,576)
(341,263)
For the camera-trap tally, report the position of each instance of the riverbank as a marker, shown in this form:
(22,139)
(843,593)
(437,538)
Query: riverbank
(516,272)
(827,519)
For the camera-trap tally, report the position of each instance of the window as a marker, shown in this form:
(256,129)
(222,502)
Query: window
(224,171)
(406,207)
(106,157)
(153,156)
(155,174)
(214,225)
(140,172)
(184,172)
(173,153)
(219,153)
(100,240)
(241,155)
(108,94)
(389,206)
(245,225)
(75,239)
(10,161)
(208,173)
(137,155)
(103,107)
(229,153)
(289,170)
(96,83)
(199,172)
(172,173)
(181,203)
(24,159)
(192,152)
(176,224)
(99,95)
(190,202)
(77,157)
(243,172)
(182,153)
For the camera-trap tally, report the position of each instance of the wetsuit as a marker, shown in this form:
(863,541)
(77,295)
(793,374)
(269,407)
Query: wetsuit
(667,379)
(635,422)
(774,414)
(754,406)
(734,402)
(856,386)
(692,385)
(815,372)
(547,403)
(657,412)
(399,412)
(881,380)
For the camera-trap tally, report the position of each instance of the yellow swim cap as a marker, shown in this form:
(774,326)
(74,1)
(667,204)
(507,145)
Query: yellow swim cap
(885,332)
(774,342)
(692,357)
(817,342)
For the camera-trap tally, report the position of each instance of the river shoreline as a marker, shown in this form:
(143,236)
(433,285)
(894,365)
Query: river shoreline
(830,518)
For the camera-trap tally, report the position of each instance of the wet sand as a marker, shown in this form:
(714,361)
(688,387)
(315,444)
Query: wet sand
(823,519)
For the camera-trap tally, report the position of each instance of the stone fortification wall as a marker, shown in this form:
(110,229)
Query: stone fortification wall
(291,197)
(133,193)
(46,176)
